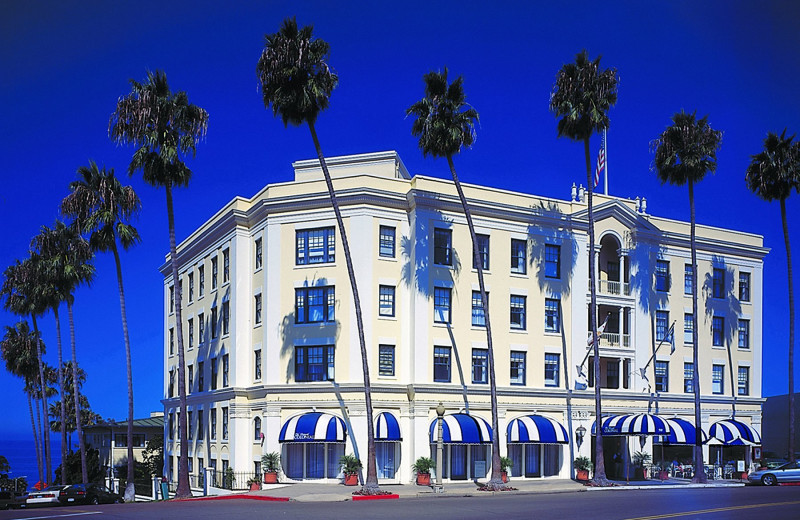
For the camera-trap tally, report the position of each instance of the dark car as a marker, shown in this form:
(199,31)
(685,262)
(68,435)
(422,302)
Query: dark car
(88,494)
(11,500)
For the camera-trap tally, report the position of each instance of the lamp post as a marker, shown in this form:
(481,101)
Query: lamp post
(579,433)
(439,448)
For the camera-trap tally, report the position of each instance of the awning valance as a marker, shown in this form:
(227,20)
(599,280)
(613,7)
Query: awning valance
(731,432)
(462,428)
(387,428)
(536,429)
(682,431)
(637,424)
(313,427)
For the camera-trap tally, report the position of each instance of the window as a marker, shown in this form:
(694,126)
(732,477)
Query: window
(191,333)
(386,242)
(213,322)
(744,381)
(517,368)
(551,363)
(171,392)
(314,305)
(478,312)
(171,427)
(191,287)
(191,379)
(214,272)
(662,325)
(442,246)
(744,287)
(257,429)
(552,316)
(441,364)
(483,251)
(172,299)
(519,260)
(201,380)
(662,376)
(201,434)
(688,276)
(719,283)
(480,365)
(257,365)
(386,360)
(662,276)
(717,382)
(213,425)
(201,328)
(201,280)
(517,310)
(612,375)
(226,265)
(688,328)
(226,317)
(441,305)
(258,258)
(224,423)
(225,366)
(214,376)
(189,426)
(171,341)
(552,261)
(258,309)
(688,378)
(744,333)
(315,246)
(314,363)
(717,328)
(386,300)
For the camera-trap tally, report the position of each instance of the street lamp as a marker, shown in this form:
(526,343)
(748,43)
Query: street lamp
(579,433)
(439,447)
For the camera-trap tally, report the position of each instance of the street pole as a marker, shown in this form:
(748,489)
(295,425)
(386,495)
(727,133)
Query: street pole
(439,448)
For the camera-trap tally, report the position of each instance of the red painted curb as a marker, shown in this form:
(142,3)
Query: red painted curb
(375,497)
(789,484)
(231,497)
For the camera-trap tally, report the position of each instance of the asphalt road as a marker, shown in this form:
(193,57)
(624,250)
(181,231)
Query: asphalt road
(707,504)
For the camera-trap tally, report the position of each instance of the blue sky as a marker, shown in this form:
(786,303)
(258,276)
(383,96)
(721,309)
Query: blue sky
(64,64)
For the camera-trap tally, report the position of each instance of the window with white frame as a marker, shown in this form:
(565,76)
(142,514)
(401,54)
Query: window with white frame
(171,341)
(483,252)
(258,253)
(225,367)
(172,299)
(552,315)
(718,331)
(718,284)
(257,429)
(717,379)
(224,423)
(314,363)
(213,322)
(315,304)
(191,333)
(214,374)
(191,379)
(315,246)
(226,265)
(214,272)
(519,256)
(662,275)
(480,366)
(517,367)
(191,287)
(201,328)
(517,309)
(257,308)
(386,300)
(744,333)
(190,425)
(386,241)
(201,432)
(201,280)
(213,425)
(478,312)
(744,287)
(441,304)
(386,360)
(688,328)
(442,246)
(688,276)
(552,261)
(688,377)
(662,376)
(551,364)
(201,376)
(662,325)
(441,364)
(257,364)
(226,318)
(744,381)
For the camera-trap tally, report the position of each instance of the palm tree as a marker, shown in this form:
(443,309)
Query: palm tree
(164,127)
(444,124)
(296,80)
(88,417)
(103,207)
(581,97)
(684,153)
(772,174)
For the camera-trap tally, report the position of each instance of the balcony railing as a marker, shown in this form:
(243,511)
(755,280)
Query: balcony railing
(615,339)
(614,288)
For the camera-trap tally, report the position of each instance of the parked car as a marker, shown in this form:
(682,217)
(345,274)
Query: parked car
(11,500)
(46,497)
(789,472)
(89,494)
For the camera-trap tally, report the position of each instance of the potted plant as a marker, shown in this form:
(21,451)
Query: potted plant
(254,483)
(582,465)
(640,458)
(423,467)
(505,464)
(350,467)
(270,462)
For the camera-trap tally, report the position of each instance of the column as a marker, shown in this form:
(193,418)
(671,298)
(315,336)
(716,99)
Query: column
(621,327)
(620,367)
(622,258)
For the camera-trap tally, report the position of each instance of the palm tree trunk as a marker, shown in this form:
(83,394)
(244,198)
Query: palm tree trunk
(129,488)
(35,436)
(371,483)
(76,394)
(45,423)
(791,331)
(63,398)
(699,469)
(37,400)
(184,489)
(600,463)
(496,481)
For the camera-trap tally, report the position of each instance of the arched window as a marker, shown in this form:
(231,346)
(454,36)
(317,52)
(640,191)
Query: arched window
(257,429)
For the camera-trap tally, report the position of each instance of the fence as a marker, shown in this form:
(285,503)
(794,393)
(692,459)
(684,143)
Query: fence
(233,480)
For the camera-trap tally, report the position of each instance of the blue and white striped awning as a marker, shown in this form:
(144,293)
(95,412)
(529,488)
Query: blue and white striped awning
(536,429)
(462,428)
(731,432)
(638,424)
(313,427)
(387,428)
(682,431)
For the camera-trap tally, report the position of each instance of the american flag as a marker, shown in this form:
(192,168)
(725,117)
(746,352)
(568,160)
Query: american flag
(601,162)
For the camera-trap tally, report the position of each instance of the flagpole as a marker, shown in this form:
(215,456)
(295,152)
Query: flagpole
(605,178)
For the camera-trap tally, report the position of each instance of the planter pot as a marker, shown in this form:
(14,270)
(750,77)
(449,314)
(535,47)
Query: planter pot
(505,477)
(270,477)
(255,486)
(423,479)
(351,479)
(582,474)
(663,475)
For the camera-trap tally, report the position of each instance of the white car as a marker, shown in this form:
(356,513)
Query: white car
(45,497)
(789,472)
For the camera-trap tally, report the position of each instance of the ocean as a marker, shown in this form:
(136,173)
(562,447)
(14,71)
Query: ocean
(21,455)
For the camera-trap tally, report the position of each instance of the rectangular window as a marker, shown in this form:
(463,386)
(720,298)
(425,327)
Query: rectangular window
(688,378)
(214,273)
(191,287)
(225,423)
(662,376)
(226,318)
(688,276)
(662,325)
(257,365)
(201,376)
(258,309)
(201,280)
(171,341)
(213,322)
(744,287)
(442,246)
(225,367)
(662,276)
(612,375)
(552,261)
(518,311)
(191,380)
(171,392)
(315,246)
(258,258)
(719,283)
(744,381)
(171,428)
(314,363)
(552,315)
(386,242)
(480,366)
(214,374)
(386,300)
(386,360)
(744,333)
(172,299)
(213,425)
(717,331)
(201,328)
(478,312)
(519,260)
(717,381)
(189,426)
(226,265)
(551,364)
(191,333)
(441,304)
(517,368)
(688,328)
(441,364)
(201,434)
(314,304)
(483,252)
